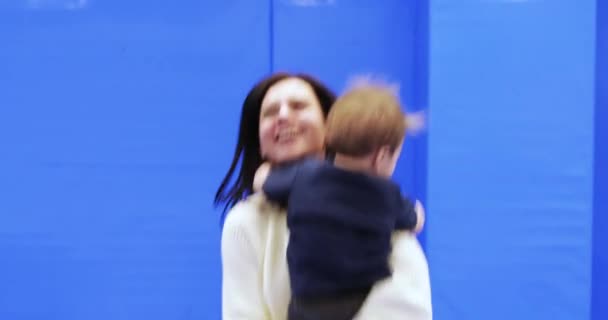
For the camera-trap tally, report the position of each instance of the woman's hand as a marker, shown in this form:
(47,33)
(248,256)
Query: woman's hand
(260,176)
(420,217)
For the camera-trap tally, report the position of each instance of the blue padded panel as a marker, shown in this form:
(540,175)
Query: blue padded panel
(117,122)
(510,158)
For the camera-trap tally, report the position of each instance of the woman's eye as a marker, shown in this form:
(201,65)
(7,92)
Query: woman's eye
(299,105)
(270,111)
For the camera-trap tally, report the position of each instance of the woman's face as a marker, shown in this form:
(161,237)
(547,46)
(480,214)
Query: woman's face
(292,124)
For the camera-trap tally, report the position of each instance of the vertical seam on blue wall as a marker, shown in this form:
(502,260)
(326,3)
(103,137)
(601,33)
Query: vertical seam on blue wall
(271,36)
(420,83)
(598,247)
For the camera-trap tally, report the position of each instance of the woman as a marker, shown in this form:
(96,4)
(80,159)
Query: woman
(283,119)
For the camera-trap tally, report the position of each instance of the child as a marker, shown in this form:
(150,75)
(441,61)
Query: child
(341,216)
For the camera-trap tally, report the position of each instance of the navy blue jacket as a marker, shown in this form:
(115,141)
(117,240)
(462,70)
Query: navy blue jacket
(340,225)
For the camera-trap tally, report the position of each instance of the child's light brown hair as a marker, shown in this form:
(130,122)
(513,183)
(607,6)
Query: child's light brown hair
(364,119)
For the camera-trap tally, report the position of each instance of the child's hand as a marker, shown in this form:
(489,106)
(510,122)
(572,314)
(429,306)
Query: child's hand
(415,122)
(420,217)
(260,176)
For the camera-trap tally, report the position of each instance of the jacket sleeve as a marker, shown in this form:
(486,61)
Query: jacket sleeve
(407,218)
(279,182)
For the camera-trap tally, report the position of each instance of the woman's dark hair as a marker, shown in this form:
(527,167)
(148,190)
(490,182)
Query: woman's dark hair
(247,151)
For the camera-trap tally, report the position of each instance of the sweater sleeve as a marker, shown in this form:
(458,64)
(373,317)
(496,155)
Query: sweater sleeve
(241,275)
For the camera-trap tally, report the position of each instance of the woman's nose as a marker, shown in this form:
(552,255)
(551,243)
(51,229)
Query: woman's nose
(284,112)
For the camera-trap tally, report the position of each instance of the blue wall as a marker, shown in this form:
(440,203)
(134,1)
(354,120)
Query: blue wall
(600,216)
(510,156)
(109,129)
(118,120)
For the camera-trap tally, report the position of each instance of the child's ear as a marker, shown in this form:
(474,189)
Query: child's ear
(385,152)
(381,155)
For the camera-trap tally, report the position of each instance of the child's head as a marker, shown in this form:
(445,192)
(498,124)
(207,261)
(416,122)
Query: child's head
(367,122)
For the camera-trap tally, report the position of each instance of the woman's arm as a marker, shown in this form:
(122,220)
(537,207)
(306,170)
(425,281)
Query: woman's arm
(241,274)
(407,293)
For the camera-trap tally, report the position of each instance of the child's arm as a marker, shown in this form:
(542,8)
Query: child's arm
(412,217)
(276,182)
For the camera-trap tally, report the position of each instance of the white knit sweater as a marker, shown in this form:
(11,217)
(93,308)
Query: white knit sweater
(256,281)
